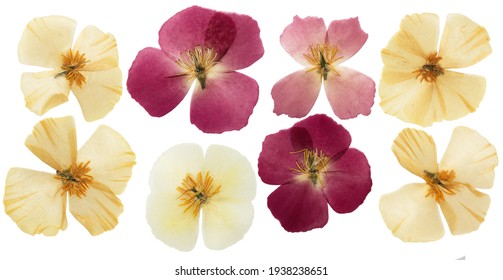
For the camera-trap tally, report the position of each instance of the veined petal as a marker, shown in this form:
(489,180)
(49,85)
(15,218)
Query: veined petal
(111,158)
(416,151)
(45,39)
(34,201)
(411,215)
(225,104)
(348,36)
(101,92)
(302,33)
(350,93)
(97,210)
(295,94)
(220,34)
(463,42)
(99,48)
(472,157)
(43,91)
(54,142)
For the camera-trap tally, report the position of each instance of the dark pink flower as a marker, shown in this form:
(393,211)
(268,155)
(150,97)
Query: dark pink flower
(207,46)
(313,164)
(321,50)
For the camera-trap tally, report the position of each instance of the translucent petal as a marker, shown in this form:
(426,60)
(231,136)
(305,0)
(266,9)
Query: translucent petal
(43,91)
(348,36)
(415,150)
(99,49)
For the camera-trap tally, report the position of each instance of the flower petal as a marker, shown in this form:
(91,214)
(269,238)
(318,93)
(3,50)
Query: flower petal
(225,104)
(34,201)
(43,91)
(101,92)
(463,42)
(99,48)
(411,215)
(220,33)
(415,150)
(45,39)
(277,158)
(348,182)
(299,206)
(98,210)
(110,157)
(54,142)
(348,36)
(295,94)
(350,93)
(472,157)
(155,82)
(465,211)
(302,33)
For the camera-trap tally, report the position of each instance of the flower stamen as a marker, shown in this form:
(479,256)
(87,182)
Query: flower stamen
(196,63)
(322,56)
(75,179)
(442,183)
(72,64)
(314,162)
(196,191)
(430,70)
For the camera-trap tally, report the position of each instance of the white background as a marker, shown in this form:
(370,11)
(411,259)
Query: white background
(351,246)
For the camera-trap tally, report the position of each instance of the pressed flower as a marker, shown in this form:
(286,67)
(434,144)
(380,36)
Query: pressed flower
(89,69)
(313,164)
(186,184)
(417,85)
(205,46)
(411,212)
(90,179)
(321,51)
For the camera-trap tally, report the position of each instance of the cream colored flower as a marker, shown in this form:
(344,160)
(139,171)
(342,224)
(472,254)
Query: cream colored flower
(89,69)
(91,178)
(411,212)
(416,85)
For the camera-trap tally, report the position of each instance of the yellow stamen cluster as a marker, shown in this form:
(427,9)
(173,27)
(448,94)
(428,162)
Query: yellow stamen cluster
(322,56)
(314,162)
(196,191)
(73,63)
(75,179)
(430,70)
(196,63)
(441,183)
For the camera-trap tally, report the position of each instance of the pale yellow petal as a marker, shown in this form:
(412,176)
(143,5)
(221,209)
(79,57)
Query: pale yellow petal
(54,142)
(411,215)
(463,42)
(34,201)
(466,210)
(100,49)
(44,90)
(472,157)
(415,150)
(111,158)
(98,210)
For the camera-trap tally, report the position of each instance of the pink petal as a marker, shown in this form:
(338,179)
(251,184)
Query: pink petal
(348,181)
(295,94)
(350,94)
(298,206)
(302,33)
(347,35)
(154,82)
(220,33)
(225,104)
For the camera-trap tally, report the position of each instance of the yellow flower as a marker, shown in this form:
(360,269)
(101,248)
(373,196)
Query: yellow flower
(91,178)
(89,69)
(411,212)
(416,85)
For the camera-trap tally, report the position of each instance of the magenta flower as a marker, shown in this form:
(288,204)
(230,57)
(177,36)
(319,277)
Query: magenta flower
(313,165)
(207,46)
(321,50)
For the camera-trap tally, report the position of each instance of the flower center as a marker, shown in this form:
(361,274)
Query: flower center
(196,191)
(75,179)
(321,57)
(430,70)
(441,183)
(196,63)
(73,63)
(312,165)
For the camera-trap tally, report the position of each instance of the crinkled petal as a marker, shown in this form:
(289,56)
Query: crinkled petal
(54,142)
(411,215)
(463,42)
(347,36)
(99,49)
(302,33)
(347,182)
(350,93)
(295,94)
(225,104)
(465,210)
(416,151)
(110,158)
(472,157)
(220,34)
(43,91)
(34,201)
(299,206)
(45,39)
(155,82)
